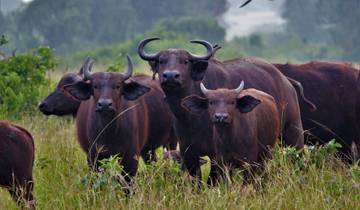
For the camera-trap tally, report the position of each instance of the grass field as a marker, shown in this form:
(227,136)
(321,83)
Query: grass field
(316,180)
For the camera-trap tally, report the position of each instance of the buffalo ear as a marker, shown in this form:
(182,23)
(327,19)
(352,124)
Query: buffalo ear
(134,90)
(80,90)
(198,69)
(195,104)
(247,103)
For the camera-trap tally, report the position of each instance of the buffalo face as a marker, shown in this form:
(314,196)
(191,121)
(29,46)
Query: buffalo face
(59,102)
(177,68)
(107,89)
(220,104)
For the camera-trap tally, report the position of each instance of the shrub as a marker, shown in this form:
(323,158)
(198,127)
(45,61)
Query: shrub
(23,77)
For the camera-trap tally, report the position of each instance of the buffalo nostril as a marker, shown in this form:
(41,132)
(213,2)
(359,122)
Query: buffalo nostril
(164,75)
(176,75)
(225,116)
(104,103)
(221,117)
(217,117)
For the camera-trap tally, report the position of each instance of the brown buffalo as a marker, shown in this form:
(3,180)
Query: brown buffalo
(332,87)
(60,102)
(246,124)
(16,163)
(112,118)
(180,74)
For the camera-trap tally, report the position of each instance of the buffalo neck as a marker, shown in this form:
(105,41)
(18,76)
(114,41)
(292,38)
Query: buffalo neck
(107,124)
(222,134)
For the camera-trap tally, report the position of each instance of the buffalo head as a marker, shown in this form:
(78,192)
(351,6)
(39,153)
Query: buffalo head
(177,68)
(107,89)
(221,103)
(59,102)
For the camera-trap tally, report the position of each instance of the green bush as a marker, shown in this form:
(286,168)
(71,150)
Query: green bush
(23,77)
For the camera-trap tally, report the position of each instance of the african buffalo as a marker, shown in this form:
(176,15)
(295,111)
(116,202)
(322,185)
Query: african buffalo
(180,73)
(332,87)
(113,119)
(60,102)
(16,163)
(246,124)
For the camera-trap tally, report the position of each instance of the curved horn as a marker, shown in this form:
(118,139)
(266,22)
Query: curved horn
(240,88)
(203,88)
(142,53)
(86,68)
(209,49)
(129,70)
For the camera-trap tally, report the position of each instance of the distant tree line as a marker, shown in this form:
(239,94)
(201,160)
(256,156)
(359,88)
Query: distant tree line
(331,21)
(82,24)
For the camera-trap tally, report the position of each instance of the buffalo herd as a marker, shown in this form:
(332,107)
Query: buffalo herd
(232,111)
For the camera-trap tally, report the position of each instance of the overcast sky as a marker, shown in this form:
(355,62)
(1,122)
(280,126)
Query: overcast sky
(258,16)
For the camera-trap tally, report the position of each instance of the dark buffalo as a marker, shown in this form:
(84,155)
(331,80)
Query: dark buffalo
(60,102)
(180,74)
(332,87)
(16,163)
(246,124)
(113,119)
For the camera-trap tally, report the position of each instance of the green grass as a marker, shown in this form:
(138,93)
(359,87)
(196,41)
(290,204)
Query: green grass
(316,180)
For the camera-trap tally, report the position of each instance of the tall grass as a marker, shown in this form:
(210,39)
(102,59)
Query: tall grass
(315,180)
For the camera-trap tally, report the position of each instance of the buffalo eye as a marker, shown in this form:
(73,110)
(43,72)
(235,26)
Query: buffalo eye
(96,87)
(211,102)
(162,61)
(186,62)
(232,103)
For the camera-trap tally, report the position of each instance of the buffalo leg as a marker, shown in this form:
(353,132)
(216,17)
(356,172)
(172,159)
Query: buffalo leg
(173,140)
(293,135)
(130,163)
(216,171)
(149,155)
(22,194)
(292,129)
(192,165)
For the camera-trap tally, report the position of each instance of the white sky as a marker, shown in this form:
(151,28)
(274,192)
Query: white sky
(258,16)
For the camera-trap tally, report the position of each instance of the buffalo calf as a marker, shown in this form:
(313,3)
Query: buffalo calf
(16,162)
(246,123)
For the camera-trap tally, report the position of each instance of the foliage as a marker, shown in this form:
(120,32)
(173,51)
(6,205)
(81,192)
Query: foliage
(202,27)
(3,40)
(82,24)
(22,79)
(326,21)
(282,47)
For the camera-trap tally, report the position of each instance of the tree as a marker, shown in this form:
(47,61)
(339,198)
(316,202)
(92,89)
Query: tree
(330,21)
